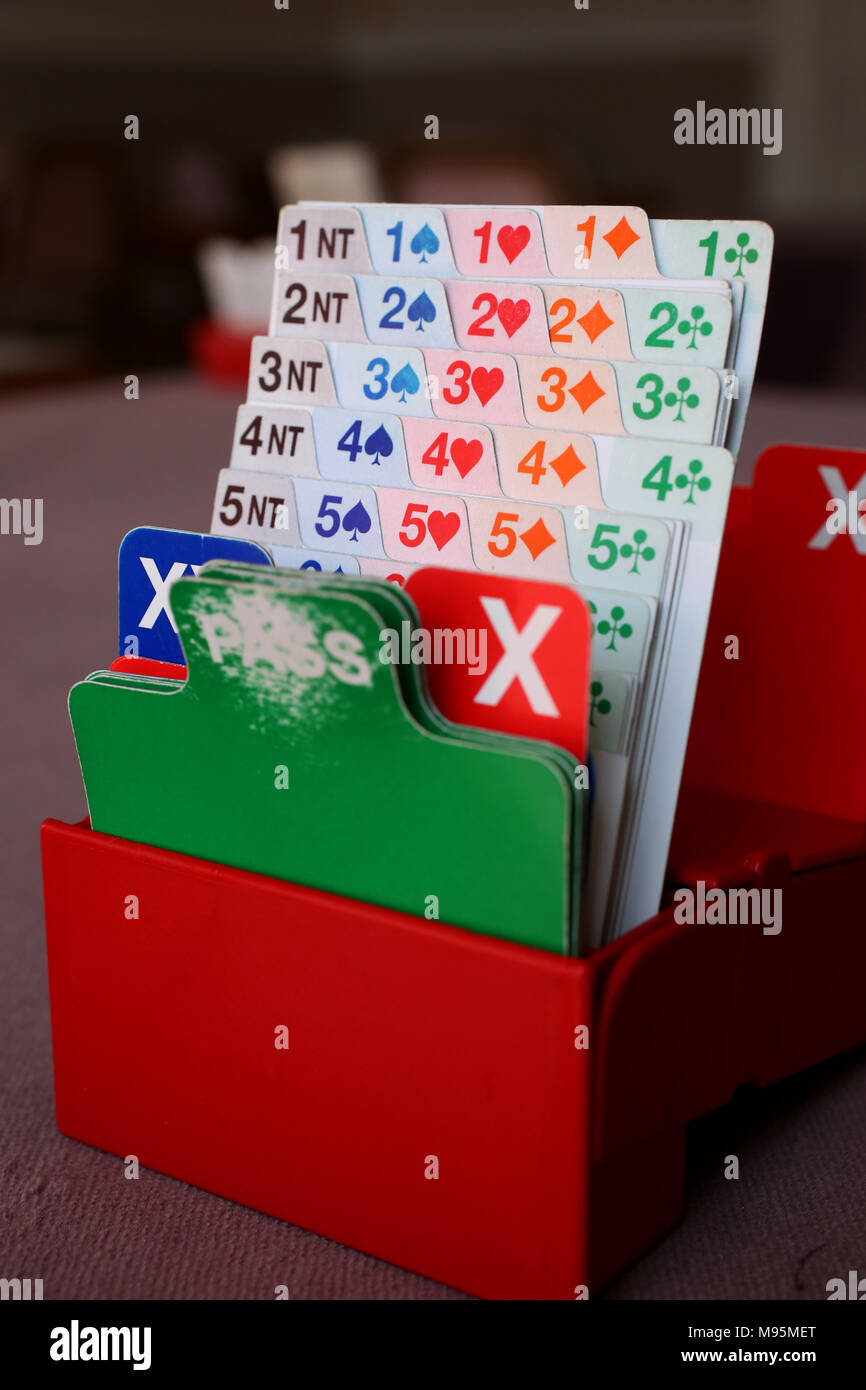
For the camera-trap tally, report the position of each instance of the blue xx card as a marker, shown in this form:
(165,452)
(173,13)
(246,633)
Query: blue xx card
(149,561)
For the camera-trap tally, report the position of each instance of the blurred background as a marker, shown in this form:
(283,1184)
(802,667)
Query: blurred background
(123,257)
(537,102)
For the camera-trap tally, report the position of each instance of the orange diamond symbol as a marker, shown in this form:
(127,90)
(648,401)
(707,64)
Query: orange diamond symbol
(567,466)
(595,322)
(586,391)
(621,237)
(537,539)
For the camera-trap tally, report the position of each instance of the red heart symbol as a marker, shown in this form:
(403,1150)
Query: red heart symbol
(465,453)
(512,241)
(442,526)
(486,383)
(512,313)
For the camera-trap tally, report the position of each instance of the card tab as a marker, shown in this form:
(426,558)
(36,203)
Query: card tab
(150,559)
(393,379)
(321,237)
(600,241)
(497,242)
(318,561)
(498,317)
(475,386)
(290,372)
(688,481)
(610,695)
(525,646)
(316,306)
(628,552)
(622,626)
(548,466)
(425,528)
(406,239)
(512,538)
(407,311)
(360,447)
(258,506)
(395,572)
(571,396)
(456,458)
(341,517)
(276,439)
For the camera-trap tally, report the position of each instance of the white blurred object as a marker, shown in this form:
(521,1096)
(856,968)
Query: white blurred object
(345,173)
(237,277)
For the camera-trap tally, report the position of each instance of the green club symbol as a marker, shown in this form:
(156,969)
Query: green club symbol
(702,484)
(616,627)
(637,548)
(685,398)
(601,705)
(695,327)
(749,256)
(593,610)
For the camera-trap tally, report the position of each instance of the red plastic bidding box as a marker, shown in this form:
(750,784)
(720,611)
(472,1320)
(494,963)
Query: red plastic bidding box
(412,1041)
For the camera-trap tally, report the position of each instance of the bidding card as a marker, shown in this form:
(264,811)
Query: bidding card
(532,642)
(286,682)
(150,559)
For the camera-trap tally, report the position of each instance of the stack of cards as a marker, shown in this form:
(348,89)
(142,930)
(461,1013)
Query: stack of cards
(544,393)
(304,745)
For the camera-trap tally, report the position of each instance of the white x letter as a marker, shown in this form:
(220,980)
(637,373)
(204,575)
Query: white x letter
(838,490)
(516,661)
(160,591)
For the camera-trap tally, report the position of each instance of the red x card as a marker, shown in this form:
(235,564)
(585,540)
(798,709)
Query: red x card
(530,647)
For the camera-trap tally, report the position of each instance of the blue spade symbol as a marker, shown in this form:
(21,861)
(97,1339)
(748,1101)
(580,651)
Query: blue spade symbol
(311,565)
(338,570)
(422,310)
(358,519)
(423,241)
(403,381)
(380,442)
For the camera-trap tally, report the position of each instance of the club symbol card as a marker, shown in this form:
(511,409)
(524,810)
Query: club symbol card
(150,559)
